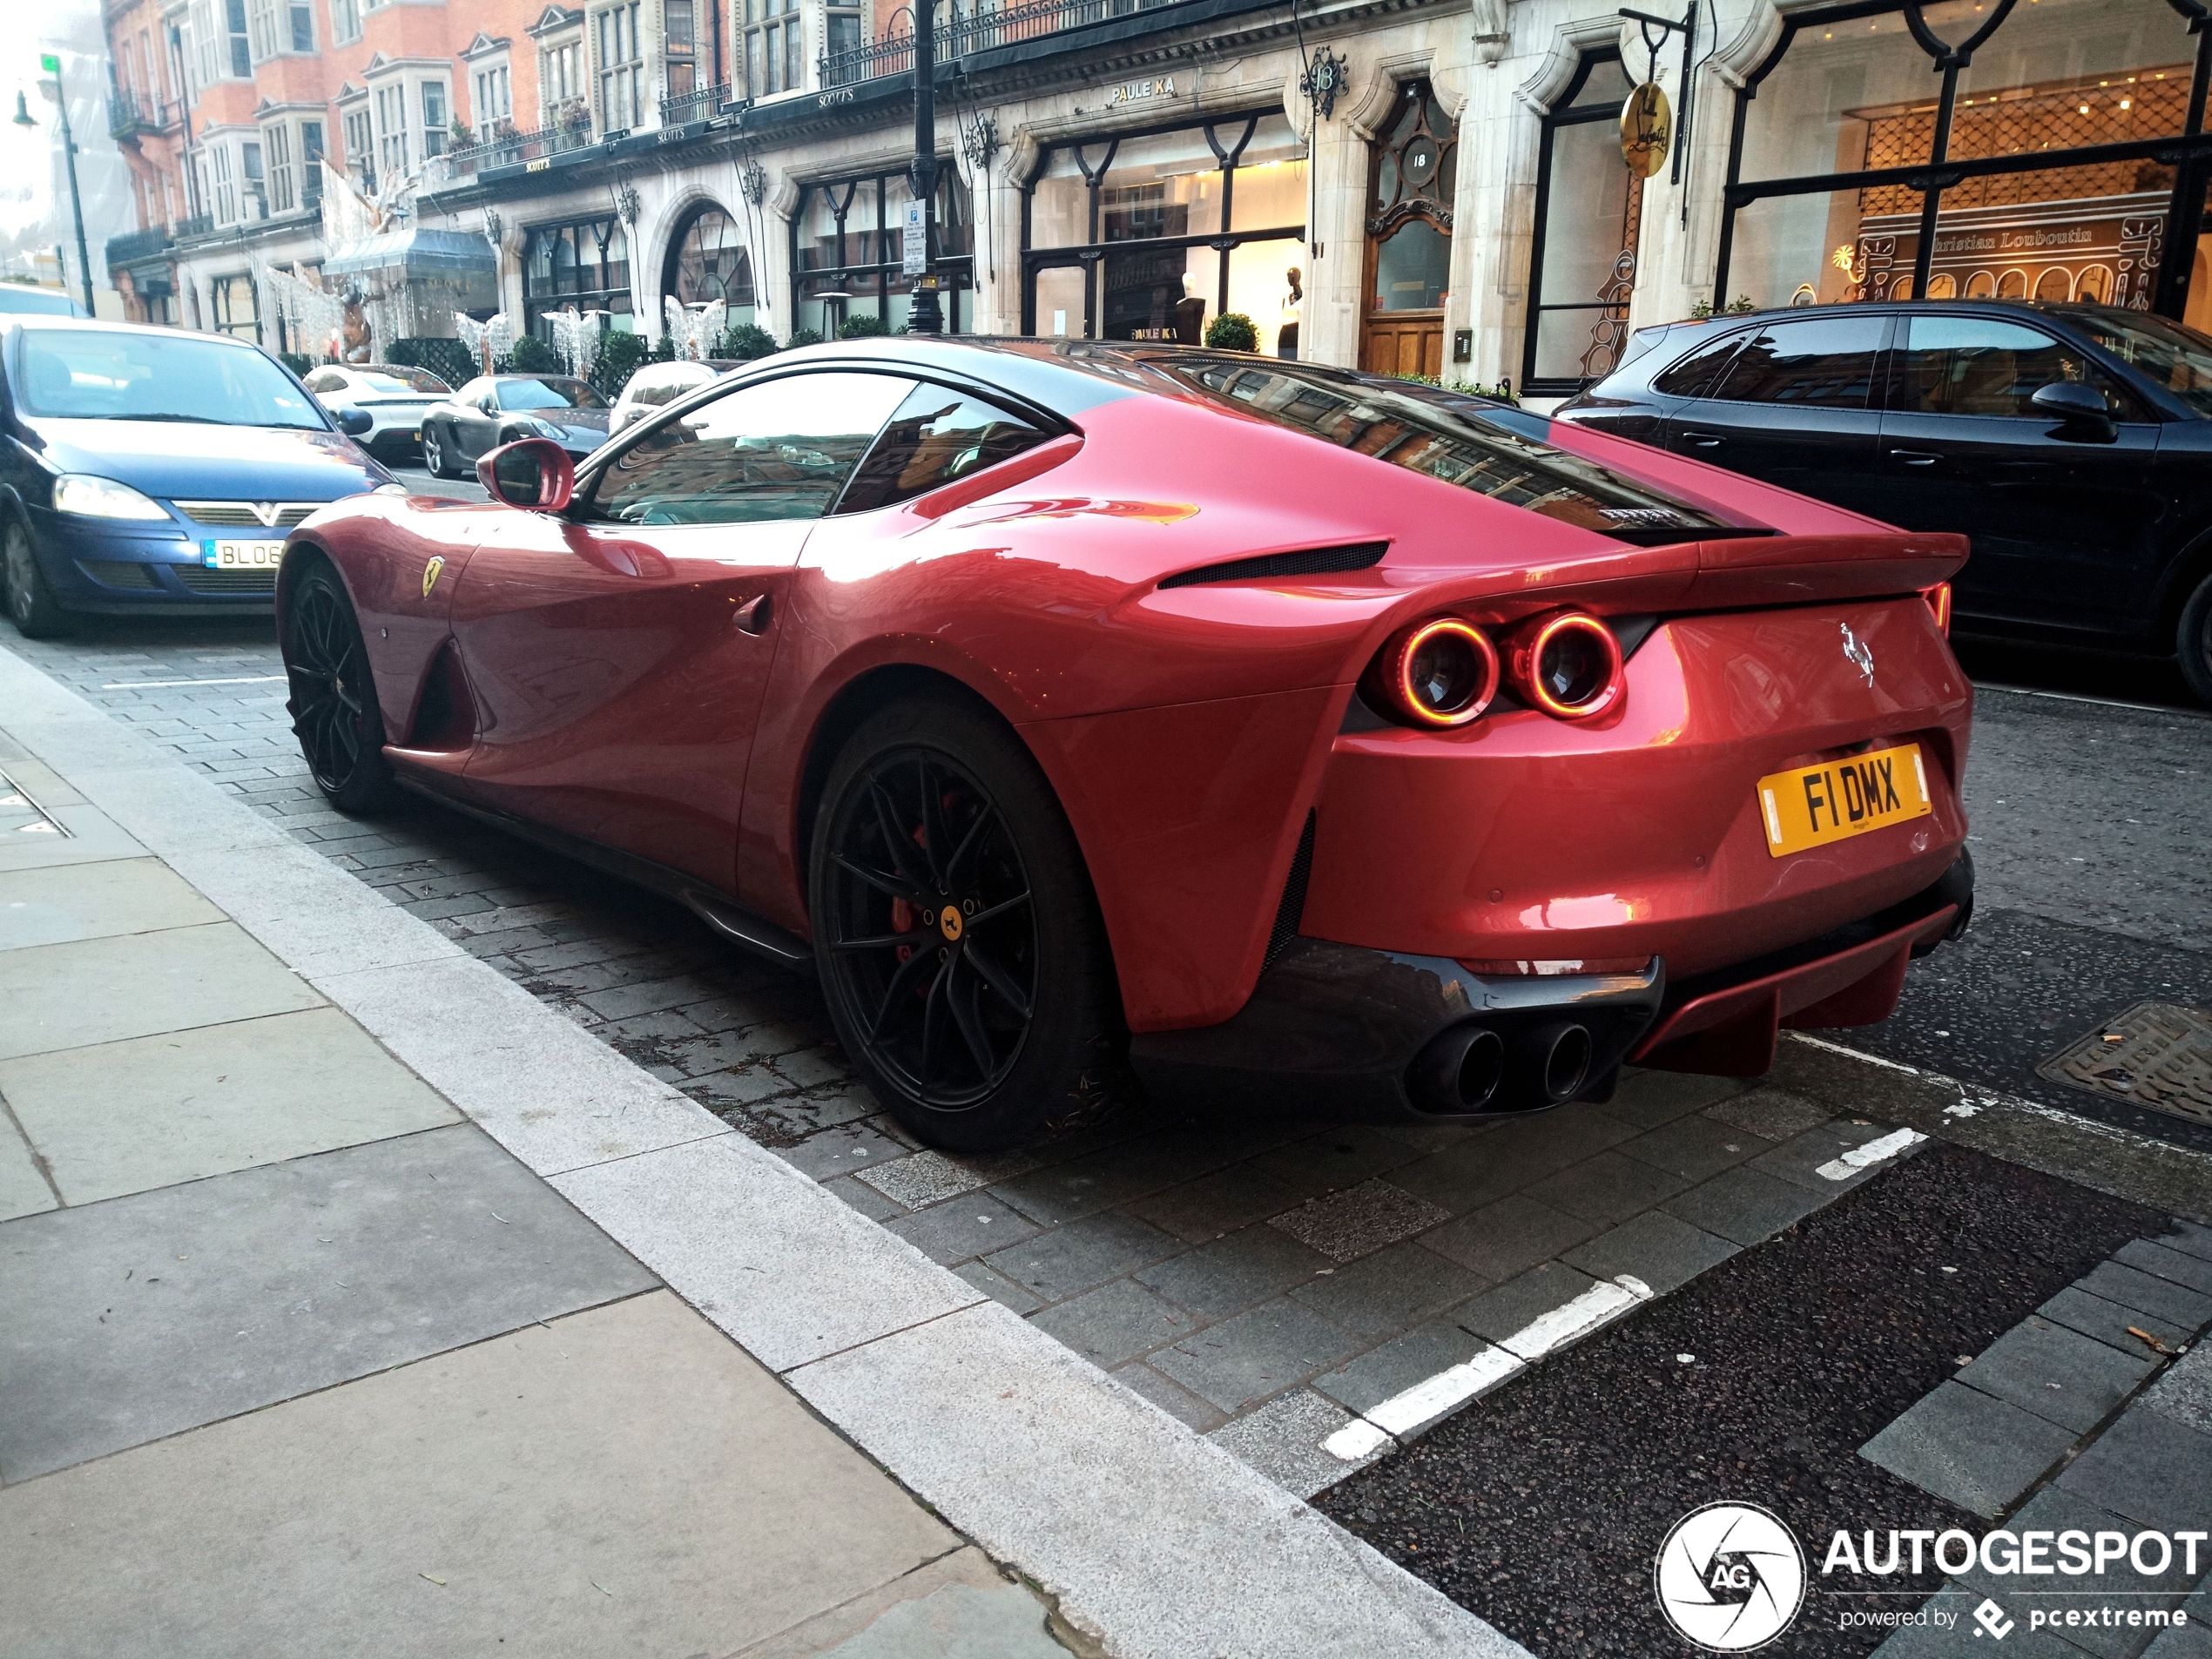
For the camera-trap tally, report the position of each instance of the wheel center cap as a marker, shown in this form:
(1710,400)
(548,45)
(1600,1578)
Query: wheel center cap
(949,922)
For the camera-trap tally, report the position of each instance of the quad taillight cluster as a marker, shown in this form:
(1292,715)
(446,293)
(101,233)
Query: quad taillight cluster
(1445,672)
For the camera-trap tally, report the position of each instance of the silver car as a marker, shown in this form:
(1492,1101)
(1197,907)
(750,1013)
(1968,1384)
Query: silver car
(393,395)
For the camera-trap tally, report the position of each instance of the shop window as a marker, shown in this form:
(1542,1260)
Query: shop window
(1147,235)
(1849,91)
(584,264)
(1810,362)
(847,251)
(1589,211)
(707,261)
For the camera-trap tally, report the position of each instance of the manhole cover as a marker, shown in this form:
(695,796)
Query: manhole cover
(2155,1054)
(20,815)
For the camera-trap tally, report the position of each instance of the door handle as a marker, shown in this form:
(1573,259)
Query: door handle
(1704,439)
(1916,457)
(754,615)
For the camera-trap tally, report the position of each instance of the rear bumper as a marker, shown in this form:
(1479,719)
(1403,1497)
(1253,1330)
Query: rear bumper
(1343,1031)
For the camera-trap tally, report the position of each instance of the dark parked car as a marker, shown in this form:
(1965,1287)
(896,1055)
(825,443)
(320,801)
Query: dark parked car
(493,409)
(149,469)
(2073,443)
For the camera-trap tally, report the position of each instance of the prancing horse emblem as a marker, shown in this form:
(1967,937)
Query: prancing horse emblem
(1855,652)
(430,580)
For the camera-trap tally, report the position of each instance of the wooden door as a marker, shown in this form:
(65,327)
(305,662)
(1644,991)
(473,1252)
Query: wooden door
(1403,343)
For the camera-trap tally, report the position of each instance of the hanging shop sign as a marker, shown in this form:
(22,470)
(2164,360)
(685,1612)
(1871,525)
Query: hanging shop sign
(1646,129)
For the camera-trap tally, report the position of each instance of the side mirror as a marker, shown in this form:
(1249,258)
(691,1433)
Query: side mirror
(2081,409)
(352,421)
(533,474)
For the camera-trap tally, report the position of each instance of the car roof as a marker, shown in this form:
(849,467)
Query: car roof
(95,326)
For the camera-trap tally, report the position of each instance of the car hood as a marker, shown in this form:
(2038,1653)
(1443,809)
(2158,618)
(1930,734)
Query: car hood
(170,458)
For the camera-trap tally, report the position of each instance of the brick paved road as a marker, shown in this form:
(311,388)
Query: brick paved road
(1272,1276)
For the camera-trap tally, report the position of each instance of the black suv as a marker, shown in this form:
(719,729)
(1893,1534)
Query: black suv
(2072,443)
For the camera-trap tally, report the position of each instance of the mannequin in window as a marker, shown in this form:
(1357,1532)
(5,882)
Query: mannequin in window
(1293,297)
(1191,313)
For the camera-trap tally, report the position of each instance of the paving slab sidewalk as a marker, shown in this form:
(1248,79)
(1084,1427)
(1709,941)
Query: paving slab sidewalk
(299,1359)
(444,1172)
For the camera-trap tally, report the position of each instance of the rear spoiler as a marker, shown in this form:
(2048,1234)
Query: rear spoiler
(1800,569)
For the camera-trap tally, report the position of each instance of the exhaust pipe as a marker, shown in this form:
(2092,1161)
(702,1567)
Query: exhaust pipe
(1551,1063)
(1458,1071)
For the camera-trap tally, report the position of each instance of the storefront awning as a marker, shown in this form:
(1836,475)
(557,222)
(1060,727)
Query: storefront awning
(414,252)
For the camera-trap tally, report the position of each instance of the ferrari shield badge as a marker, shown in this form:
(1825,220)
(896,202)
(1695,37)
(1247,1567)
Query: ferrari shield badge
(430,575)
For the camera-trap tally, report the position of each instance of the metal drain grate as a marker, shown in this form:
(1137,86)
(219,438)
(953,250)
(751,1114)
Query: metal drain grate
(20,815)
(2154,1055)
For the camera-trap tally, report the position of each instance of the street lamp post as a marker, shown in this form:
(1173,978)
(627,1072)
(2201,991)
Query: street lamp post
(923,315)
(23,117)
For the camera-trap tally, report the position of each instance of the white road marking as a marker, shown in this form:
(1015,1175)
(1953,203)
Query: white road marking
(150,685)
(1854,1053)
(1408,1409)
(1865,1157)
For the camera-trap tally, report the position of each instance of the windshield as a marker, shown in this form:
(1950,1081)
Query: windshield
(399,380)
(2163,353)
(549,394)
(1459,444)
(19,296)
(103,374)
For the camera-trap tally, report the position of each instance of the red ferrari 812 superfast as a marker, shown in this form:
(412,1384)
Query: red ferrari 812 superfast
(1306,741)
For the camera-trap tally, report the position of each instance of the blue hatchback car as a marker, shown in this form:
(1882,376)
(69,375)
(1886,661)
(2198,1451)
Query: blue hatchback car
(152,470)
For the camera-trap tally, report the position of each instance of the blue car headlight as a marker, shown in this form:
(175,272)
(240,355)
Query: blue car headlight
(89,496)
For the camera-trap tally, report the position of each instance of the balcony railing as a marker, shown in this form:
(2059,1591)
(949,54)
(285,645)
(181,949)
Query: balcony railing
(137,245)
(981,29)
(129,114)
(198,225)
(505,150)
(702,105)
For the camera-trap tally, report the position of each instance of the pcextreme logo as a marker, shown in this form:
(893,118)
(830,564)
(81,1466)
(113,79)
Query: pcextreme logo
(1729,1577)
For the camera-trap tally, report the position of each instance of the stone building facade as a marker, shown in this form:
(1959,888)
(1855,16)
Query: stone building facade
(1429,186)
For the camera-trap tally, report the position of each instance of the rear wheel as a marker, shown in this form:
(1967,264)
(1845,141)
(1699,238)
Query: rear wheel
(437,455)
(334,699)
(2192,644)
(956,933)
(31,605)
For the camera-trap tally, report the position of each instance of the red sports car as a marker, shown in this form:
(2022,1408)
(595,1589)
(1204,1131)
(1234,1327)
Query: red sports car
(1318,741)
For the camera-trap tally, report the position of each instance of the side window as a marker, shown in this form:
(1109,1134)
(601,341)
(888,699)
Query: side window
(1695,375)
(1812,362)
(1986,366)
(936,436)
(779,449)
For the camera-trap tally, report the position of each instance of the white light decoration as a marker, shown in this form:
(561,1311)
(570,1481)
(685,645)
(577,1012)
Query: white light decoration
(693,333)
(486,342)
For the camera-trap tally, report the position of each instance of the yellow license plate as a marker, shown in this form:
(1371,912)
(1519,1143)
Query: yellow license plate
(243,555)
(1813,805)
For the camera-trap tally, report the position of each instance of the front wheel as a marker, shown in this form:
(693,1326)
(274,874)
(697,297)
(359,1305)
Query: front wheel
(2193,644)
(334,699)
(31,605)
(955,931)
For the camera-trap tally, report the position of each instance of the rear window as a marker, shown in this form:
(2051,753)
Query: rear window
(1459,446)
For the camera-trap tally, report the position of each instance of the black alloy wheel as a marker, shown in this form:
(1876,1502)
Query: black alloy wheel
(955,932)
(333,701)
(31,605)
(2193,644)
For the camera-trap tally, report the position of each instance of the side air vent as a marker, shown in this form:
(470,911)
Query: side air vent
(1316,560)
(118,573)
(1292,911)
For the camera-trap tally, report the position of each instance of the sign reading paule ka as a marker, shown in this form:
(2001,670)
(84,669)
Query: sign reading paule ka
(1137,91)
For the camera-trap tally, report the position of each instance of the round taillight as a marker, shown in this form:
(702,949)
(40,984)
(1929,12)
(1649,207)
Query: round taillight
(1568,665)
(1442,673)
